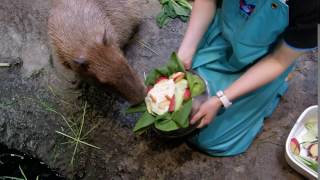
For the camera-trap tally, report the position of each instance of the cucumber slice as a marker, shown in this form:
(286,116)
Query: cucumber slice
(180,88)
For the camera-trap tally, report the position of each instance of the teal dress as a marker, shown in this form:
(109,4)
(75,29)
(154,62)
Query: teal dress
(241,33)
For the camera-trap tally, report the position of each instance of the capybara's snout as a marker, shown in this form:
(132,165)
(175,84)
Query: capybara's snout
(131,87)
(111,68)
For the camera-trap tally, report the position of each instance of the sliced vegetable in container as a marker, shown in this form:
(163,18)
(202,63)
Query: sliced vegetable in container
(309,162)
(306,151)
(295,146)
(313,151)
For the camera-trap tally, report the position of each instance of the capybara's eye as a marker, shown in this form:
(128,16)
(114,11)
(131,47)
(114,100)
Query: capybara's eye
(66,64)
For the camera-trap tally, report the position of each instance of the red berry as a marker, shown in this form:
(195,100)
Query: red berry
(172,104)
(187,94)
(161,78)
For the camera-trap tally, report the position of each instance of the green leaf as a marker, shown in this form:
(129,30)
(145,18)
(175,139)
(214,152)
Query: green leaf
(172,66)
(164,1)
(138,108)
(169,10)
(162,19)
(152,77)
(196,84)
(179,10)
(141,131)
(166,125)
(184,18)
(184,4)
(181,117)
(155,74)
(172,9)
(309,162)
(163,71)
(163,116)
(145,121)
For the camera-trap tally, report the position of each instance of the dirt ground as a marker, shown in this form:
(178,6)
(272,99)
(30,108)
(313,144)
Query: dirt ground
(35,97)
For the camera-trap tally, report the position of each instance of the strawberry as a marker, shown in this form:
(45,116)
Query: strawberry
(187,94)
(172,104)
(161,78)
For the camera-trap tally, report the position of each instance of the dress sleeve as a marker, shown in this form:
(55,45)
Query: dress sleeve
(301,33)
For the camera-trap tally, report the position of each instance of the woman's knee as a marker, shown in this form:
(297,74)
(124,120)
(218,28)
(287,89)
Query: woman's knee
(215,147)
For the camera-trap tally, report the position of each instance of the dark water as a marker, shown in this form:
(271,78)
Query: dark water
(10,160)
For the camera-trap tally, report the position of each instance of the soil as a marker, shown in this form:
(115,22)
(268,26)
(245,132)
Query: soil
(37,95)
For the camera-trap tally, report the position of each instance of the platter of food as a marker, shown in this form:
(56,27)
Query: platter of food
(173,94)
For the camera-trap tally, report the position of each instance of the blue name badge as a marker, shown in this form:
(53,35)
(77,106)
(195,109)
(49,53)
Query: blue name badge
(246,9)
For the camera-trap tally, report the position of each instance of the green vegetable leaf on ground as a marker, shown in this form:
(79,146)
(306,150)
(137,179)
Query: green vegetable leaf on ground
(172,9)
(184,18)
(162,19)
(179,10)
(185,4)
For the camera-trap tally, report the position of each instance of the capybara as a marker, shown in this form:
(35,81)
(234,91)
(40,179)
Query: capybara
(87,37)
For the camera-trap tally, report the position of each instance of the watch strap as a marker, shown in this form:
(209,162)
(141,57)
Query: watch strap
(223,98)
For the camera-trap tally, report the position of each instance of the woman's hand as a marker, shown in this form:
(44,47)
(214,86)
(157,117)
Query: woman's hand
(186,59)
(203,12)
(207,112)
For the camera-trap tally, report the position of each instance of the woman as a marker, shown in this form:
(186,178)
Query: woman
(244,50)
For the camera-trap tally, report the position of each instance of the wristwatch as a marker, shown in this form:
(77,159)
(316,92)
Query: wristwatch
(225,101)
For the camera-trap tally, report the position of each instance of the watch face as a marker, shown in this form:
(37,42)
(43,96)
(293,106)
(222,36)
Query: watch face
(219,93)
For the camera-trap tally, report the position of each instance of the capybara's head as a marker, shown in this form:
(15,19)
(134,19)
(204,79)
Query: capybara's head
(84,41)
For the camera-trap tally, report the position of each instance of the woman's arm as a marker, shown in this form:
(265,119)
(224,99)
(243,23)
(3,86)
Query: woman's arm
(263,72)
(266,70)
(202,14)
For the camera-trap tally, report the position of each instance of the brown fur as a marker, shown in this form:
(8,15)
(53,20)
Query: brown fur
(87,36)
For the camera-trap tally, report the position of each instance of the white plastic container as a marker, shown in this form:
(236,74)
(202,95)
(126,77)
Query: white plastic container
(297,131)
